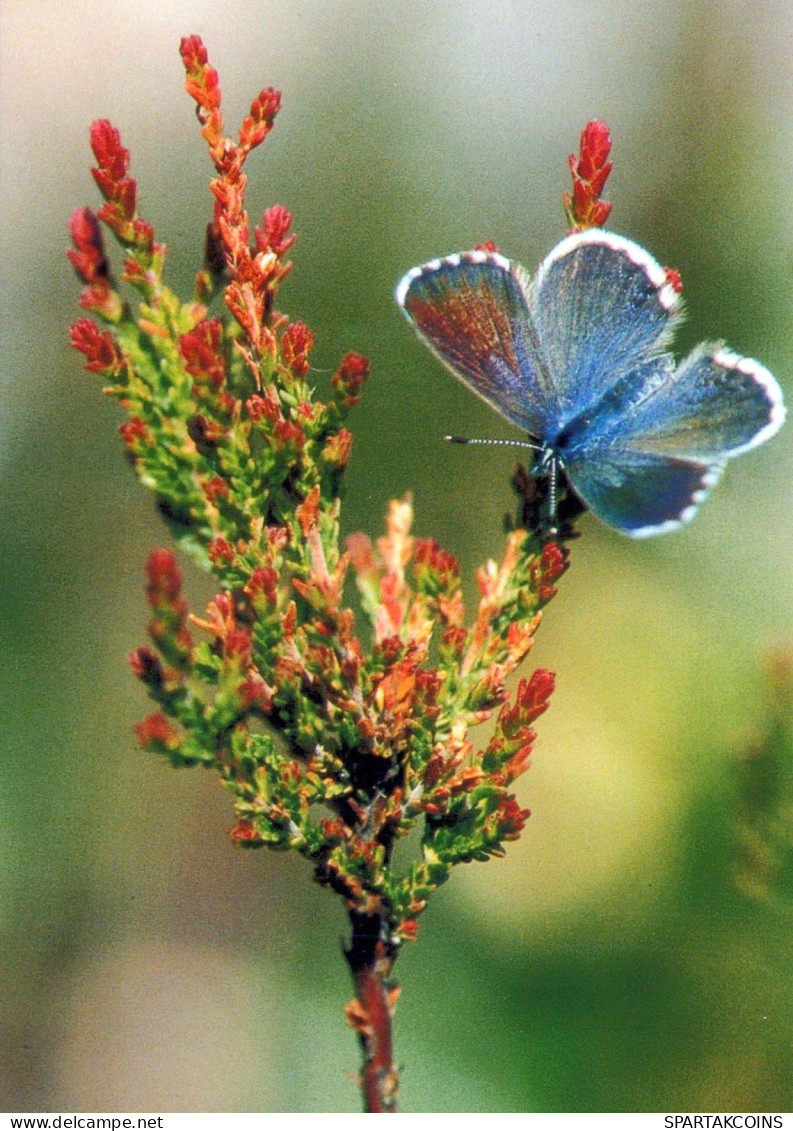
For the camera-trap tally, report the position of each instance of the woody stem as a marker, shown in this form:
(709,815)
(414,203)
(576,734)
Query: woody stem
(370,960)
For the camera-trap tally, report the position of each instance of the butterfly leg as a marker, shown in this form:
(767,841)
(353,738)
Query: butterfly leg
(548,505)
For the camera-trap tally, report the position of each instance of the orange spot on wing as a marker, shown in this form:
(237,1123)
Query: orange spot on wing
(465,322)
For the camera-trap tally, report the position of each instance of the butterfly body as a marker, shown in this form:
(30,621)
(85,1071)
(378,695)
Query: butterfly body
(577,358)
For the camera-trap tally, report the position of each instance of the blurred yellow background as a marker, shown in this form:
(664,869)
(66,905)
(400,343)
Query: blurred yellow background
(611,962)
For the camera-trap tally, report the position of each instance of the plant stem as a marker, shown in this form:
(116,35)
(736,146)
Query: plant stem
(371,960)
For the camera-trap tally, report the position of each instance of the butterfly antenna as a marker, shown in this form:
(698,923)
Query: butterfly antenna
(502,443)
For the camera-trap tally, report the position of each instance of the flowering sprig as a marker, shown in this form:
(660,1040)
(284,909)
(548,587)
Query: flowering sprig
(590,172)
(329,748)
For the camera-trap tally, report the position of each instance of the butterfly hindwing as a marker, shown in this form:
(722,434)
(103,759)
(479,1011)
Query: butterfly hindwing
(646,469)
(641,494)
(714,406)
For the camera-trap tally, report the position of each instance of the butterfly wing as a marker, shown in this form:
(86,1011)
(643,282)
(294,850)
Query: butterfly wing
(472,312)
(647,470)
(641,494)
(714,406)
(603,308)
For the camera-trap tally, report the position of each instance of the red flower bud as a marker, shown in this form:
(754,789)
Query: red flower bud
(593,163)
(165,578)
(409,930)
(511,819)
(590,172)
(350,376)
(245,834)
(201,349)
(135,434)
(531,700)
(262,588)
(111,156)
(202,81)
(221,550)
(103,354)
(273,234)
(237,647)
(88,256)
(215,489)
(146,666)
(297,340)
(259,122)
(157,733)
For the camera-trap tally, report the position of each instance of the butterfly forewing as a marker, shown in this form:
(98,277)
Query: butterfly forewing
(601,306)
(471,310)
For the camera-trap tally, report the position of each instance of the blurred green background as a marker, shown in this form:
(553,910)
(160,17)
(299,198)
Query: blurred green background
(633,951)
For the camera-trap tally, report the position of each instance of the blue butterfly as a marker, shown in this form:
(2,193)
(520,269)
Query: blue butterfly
(576,357)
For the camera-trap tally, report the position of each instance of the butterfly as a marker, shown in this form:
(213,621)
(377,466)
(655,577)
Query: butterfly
(577,358)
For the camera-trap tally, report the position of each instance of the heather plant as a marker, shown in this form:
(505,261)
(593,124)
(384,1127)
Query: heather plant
(339,723)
